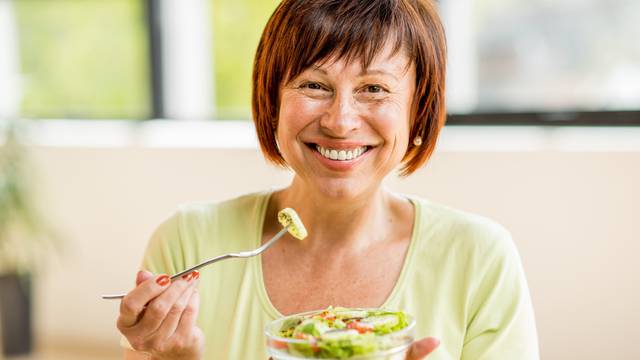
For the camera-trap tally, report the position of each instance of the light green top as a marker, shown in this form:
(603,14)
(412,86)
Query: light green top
(462,279)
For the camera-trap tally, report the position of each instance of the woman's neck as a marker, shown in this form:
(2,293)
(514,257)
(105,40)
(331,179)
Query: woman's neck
(343,223)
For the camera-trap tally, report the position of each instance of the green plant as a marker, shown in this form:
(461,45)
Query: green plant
(25,238)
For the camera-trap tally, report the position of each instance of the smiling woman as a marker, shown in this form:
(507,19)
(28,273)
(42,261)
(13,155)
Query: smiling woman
(412,32)
(344,92)
(332,111)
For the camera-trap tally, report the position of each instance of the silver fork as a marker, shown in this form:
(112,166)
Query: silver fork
(241,254)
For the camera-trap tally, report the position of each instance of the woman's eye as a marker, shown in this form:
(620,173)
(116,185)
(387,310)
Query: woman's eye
(374,89)
(312,86)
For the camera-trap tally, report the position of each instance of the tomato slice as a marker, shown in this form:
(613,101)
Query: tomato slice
(361,327)
(279,344)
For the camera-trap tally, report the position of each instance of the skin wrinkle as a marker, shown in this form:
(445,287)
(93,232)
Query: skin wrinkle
(364,72)
(368,116)
(321,33)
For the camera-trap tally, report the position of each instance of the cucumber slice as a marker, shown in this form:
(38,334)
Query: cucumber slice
(289,219)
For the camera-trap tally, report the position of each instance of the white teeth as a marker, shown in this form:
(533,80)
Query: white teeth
(349,155)
(341,155)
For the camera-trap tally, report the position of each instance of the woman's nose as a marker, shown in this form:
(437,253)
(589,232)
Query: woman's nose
(342,117)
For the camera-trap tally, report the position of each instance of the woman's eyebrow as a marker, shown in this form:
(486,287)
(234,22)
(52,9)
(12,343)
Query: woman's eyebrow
(364,72)
(319,69)
(377,72)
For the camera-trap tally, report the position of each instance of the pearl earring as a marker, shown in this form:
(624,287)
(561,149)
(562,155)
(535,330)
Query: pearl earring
(417,141)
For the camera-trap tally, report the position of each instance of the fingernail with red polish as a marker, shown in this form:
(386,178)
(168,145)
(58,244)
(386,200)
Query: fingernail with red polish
(196,274)
(187,277)
(163,280)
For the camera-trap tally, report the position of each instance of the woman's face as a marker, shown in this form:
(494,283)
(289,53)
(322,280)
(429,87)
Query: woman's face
(342,129)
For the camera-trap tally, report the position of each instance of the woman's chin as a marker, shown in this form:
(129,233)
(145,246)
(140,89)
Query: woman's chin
(343,189)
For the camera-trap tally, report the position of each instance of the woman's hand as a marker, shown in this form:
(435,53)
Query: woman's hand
(159,317)
(423,347)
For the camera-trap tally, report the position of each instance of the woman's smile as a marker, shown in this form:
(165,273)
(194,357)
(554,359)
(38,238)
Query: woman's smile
(342,154)
(340,157)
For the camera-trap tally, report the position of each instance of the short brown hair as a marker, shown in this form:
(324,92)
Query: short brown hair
(301,33)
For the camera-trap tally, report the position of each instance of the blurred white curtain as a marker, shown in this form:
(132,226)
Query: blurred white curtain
(462,62)
(10,89)
(188,59)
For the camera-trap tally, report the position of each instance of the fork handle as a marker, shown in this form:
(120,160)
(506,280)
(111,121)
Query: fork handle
(183,272)
(202,264)
(244,254)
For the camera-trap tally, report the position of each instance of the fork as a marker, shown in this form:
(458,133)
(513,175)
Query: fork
(241,254)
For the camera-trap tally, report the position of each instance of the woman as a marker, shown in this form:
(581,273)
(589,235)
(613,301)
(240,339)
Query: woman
(344,92)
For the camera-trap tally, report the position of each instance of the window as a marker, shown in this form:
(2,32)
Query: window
(237,26)
(82,59)
(510,61)
(554,59)
(207,49)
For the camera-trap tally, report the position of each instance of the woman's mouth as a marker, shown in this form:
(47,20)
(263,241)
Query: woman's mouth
(341,154)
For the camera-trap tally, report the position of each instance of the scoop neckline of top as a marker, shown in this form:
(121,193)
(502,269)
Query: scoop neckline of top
(257,265)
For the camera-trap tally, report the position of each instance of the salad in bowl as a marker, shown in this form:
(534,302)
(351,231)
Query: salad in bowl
(341,333)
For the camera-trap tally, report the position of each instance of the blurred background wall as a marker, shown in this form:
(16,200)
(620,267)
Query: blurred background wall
(91,81)
(572,202)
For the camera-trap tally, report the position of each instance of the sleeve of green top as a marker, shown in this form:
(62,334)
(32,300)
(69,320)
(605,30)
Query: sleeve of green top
(502,323)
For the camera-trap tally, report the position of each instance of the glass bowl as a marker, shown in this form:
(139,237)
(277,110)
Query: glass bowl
(391,346)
